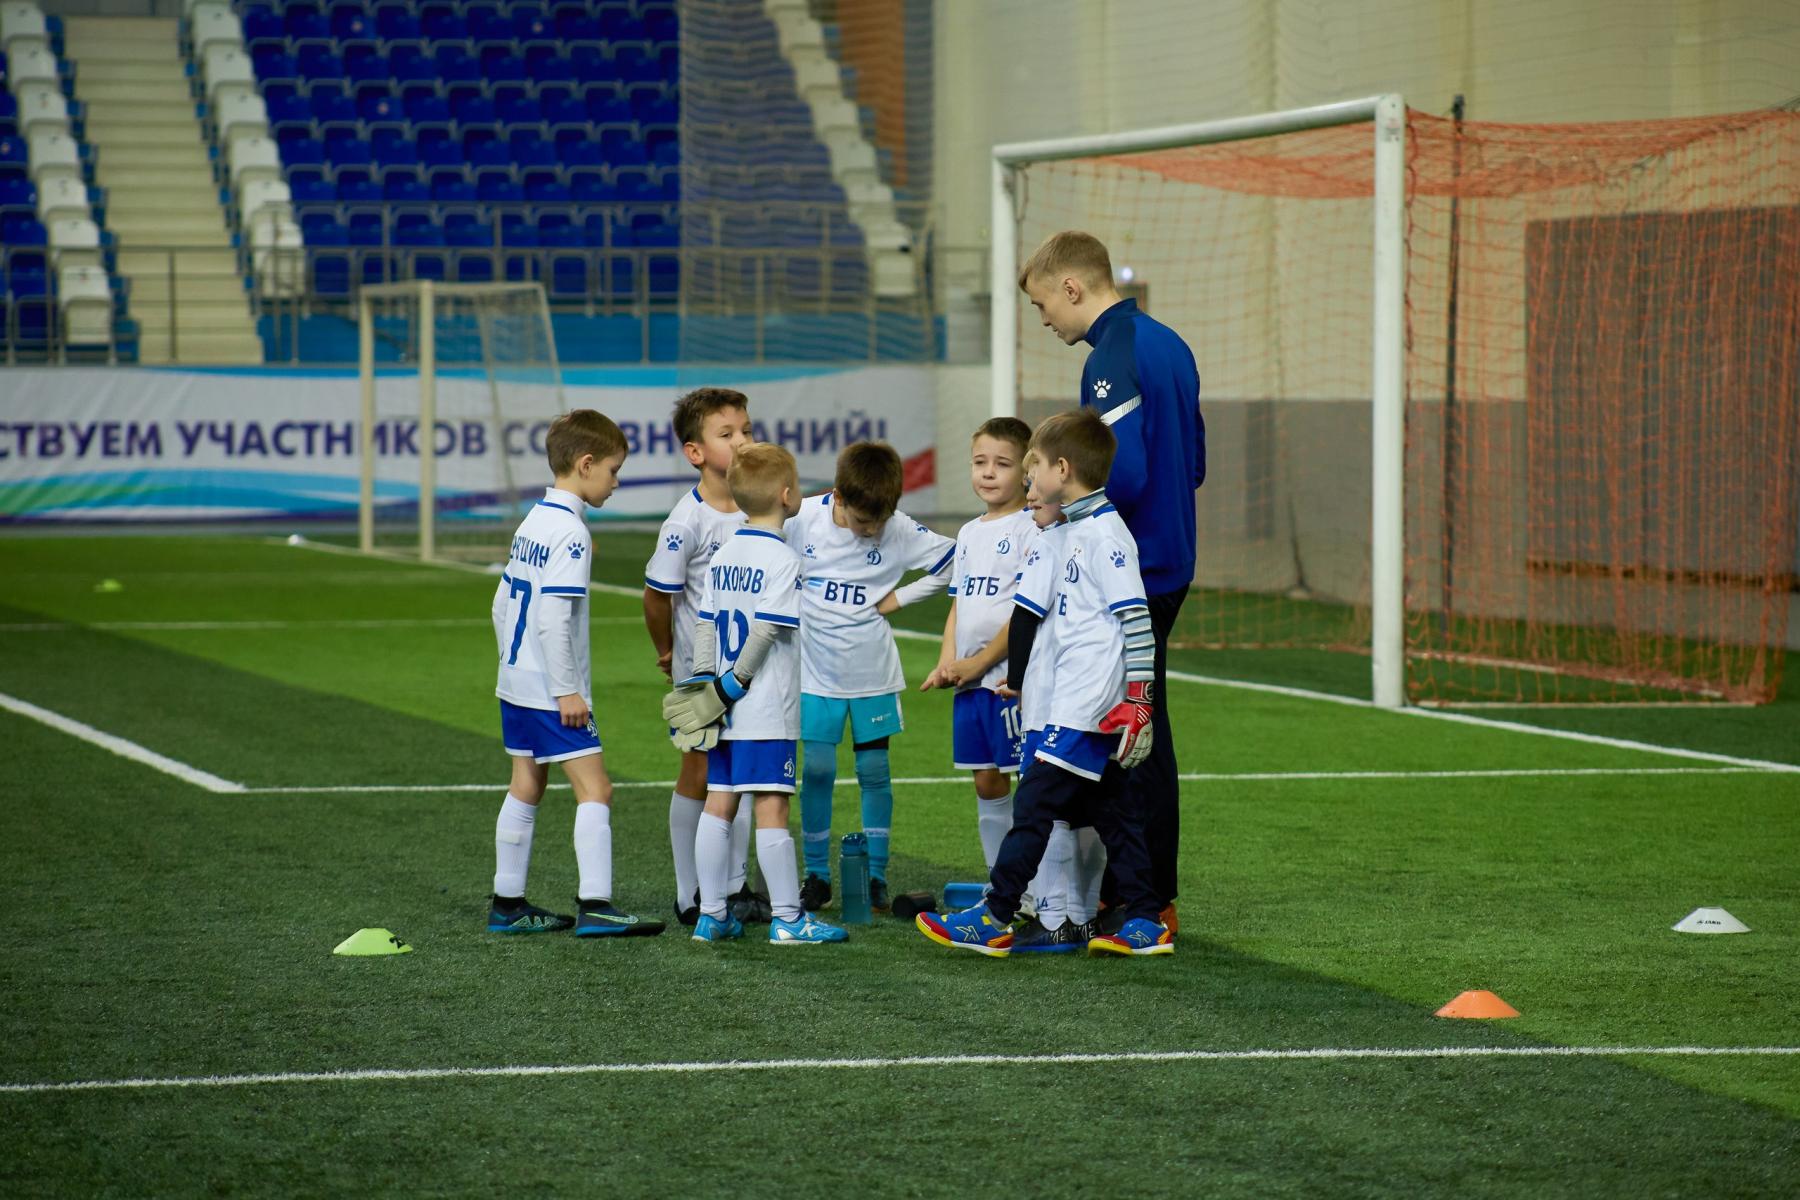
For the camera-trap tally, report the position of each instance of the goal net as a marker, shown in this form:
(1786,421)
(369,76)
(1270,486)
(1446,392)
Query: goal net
(1601,378)
(474,364)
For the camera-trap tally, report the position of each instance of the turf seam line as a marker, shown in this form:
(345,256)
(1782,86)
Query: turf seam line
(609,589)
(1199,777)
(120,746)
(854,1064)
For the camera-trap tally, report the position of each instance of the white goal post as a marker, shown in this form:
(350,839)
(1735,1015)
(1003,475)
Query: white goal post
(484,353)
(1387,116)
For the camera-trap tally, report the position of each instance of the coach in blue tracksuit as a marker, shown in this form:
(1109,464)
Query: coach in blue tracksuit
(1142,379)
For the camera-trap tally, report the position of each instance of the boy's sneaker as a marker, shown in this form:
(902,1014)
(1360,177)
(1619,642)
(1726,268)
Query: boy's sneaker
(750,907)
(972,929)
(807,931)
(1167,917)
(815,893)
(1140,935)
(690,914)
(1109,919)
(1033,938)
(711,929)
(513,915)
(598,918)
(878,896)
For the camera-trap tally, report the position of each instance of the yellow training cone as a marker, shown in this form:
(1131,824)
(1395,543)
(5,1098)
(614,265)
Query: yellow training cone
(372,941)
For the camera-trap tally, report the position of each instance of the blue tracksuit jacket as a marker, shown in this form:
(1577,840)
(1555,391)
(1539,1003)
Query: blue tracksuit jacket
(1142,379)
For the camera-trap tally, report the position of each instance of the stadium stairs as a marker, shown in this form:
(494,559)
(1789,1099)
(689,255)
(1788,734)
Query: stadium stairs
(155,167)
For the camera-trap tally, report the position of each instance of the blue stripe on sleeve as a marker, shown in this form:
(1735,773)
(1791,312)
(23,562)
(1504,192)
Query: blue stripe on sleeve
(562,591)
(944,561)
(778,619)
(1140,602)
(1028,606)
(660,586)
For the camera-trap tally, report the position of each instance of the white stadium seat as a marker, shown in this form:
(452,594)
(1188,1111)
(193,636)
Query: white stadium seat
(214,24)
(53,154)
(257,194)
(276,255)
(42,110)
(32,65)
(225,70)
(22,27)
(238,115)
(251,159)
(75,242)
(86,306)
(61,196)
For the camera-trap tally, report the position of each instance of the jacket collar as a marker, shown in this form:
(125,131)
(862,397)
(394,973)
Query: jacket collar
(1124,310)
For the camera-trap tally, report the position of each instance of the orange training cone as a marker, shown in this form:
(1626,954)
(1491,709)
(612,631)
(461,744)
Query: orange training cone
(1480,1005)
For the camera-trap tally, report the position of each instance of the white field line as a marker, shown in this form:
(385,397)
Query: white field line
(119,746)
(609,589)
(1322,1054)
(1196,777)
(257,626)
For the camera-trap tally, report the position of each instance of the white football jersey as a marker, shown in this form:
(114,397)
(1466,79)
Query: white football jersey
(989,555)
(1092,575)
(692,533)
(1037,575)
(755,576)
(549,564)
(846,647)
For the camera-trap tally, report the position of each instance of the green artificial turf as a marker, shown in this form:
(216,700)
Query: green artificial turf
(160,930)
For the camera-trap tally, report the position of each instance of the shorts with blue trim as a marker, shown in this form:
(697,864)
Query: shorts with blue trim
(540,735)
(984,731)
(753,765)
(1077,751)
(871,718)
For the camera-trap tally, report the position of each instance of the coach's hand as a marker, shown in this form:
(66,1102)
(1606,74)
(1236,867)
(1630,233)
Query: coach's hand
(1130,719)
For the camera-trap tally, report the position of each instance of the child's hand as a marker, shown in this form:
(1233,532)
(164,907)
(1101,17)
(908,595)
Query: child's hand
(1004,692)
(964,669)
(664,663)
(887,604)
(574,711)
(939,678)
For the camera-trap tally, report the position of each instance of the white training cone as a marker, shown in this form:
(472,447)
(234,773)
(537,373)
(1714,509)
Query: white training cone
(1709,920)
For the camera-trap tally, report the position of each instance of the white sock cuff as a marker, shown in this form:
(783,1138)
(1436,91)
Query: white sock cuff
(602,813)
(676,798)
(517,809)
(715,821)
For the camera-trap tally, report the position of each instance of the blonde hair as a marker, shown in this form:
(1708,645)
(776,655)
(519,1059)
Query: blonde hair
(758,473)
(1070,252)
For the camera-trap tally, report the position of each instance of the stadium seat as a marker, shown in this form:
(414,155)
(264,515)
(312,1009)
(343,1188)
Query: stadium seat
(41,111)
(486,22)
(213,24)
(32,66)
(263,27)
(349,22)
(252,158)
(227,69)
(236,116)
(18,196)
(74,241)
(254,195)
(310,186)
(61,196)
(302,151)
(22,27)
(304,22)
(395,21)
(54,154)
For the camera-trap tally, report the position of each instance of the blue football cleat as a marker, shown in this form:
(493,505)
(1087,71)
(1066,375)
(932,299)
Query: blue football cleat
(598,918)
(519,917)
(1140,935)
(711,929)
(807,931)
(971,929)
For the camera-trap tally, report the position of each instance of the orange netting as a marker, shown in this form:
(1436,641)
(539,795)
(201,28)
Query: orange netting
(1603,391)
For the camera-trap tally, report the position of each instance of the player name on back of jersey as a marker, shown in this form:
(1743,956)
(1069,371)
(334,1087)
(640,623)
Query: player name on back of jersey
(736,578)
(532,554)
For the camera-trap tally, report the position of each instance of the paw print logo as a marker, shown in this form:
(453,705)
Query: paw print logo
(674,542)
(1031,559)
(575,550)
(810,552)
(920,528)
(1004,547)
(714,549)
(1118,558)
(874,557)
(1101,388)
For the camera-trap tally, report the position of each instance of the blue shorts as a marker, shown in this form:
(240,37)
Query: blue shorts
(753,765)
(540,735)
(984,731)
(871,718)
(1074,750)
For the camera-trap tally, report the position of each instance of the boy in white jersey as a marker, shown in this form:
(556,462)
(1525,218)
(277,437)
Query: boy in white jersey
(854,547)
(711,424)
(990,551)
(545,685)
(1093,695)
(743,702)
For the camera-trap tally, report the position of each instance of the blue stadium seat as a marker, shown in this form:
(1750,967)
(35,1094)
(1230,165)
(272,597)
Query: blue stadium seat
(357,185)
(618,23)
(262,24)
(305,21)
(442,22)
(486,22)
(455,64)
(318,62)
(426,108)
(608,108)
(302,152)
(350,22)
(483,148)
(15,159)
(395,20)
(529,23)
(453,189)
(309,186)
(660,22)
(474,110)
(516,106)
(438,149)
(349,152)
(574,23)
(18,196)
(501,65)
(530,149)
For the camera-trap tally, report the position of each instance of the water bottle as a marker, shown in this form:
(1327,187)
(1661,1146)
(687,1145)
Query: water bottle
(958,896)
(853,874)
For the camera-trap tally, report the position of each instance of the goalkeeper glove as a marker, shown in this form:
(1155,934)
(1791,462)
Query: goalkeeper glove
(1130,718)
(696,709)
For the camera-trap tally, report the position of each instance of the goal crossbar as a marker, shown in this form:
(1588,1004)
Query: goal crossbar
(1387,389)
